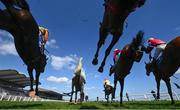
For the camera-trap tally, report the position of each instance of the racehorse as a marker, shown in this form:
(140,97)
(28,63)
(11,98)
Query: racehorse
(108,89)
(116,12)
(129,55)
(23,27)
(169,64)
(78,83)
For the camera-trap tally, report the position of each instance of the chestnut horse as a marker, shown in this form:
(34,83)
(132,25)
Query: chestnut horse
(116,12)
(23,27)
(129,55)
(169,64)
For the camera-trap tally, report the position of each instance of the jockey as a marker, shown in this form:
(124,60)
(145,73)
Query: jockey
(155,43)
(43,37)
(107,84)
(116,55)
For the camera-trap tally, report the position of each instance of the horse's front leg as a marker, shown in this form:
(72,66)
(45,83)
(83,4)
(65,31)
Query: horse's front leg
(75,96)
(115,83)
(108,50)
(82,93)
(158,88)
(108,98)
(30,70)
(122,88)
(37,81)
(82,96)
(102,37)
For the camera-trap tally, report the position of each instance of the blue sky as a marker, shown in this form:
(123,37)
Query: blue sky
(73,27)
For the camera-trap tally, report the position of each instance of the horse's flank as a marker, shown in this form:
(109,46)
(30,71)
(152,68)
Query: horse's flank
(171,60)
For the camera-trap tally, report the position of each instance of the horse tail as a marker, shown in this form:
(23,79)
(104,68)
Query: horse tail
(138,40)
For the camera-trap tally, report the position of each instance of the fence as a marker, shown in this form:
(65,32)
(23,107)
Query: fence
(142,97)
(149,97)
(132,97)
(19,98)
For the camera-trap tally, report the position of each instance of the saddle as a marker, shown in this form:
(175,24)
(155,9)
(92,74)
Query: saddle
(108,87)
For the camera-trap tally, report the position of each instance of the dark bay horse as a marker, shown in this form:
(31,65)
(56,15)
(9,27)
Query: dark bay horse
(78,83)
(23,27)
(169,64)
(129,55)
(108,90)
(116,12)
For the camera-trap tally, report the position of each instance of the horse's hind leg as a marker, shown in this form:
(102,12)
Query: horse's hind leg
(169,89)
(72,91)
(30,70)
(71,96)
(102,37)
(108,50)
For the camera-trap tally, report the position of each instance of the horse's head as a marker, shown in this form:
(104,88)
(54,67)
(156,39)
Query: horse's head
(135,44)
(138,55)
(148,68)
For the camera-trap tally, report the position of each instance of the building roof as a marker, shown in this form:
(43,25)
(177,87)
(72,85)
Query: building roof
(49,91)
(13,76)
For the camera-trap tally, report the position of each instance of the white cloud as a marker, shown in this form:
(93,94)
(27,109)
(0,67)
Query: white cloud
(7,46)
(178,71)
(177,28)
(58,80)
(7,49)
(5,34)
(52,43)
(96,76)
(90,88)
(67,62)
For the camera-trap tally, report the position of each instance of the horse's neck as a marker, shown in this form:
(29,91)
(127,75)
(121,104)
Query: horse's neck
(156,69)
(5,21)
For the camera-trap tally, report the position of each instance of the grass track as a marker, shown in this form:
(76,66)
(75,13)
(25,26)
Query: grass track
(89,105)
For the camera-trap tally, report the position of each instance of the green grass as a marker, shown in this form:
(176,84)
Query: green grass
(90,105)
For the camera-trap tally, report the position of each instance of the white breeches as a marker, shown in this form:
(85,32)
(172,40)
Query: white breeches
(159,50)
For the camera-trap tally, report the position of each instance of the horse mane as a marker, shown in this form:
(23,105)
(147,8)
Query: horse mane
(137,41)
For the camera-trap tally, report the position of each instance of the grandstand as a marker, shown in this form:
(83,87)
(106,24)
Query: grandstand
(12,84)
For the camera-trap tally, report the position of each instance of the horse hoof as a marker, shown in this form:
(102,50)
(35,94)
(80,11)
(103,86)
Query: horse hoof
(100,69)
(95,61)
(172,102)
